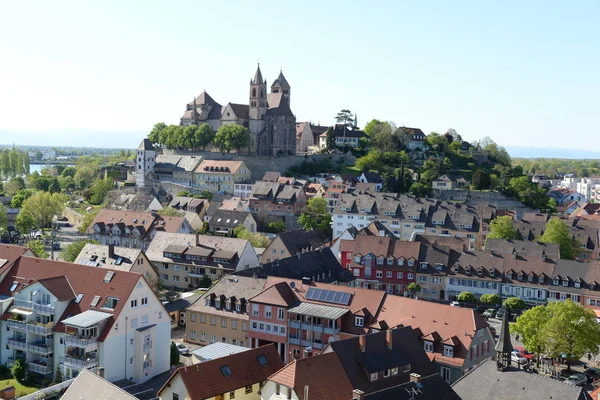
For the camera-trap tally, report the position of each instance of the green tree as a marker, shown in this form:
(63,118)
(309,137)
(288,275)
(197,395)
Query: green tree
(69,171)
(174,354)
(330,138)
(169,212)
(419,189)
(481,180)
(276,226)
(414,288)
(514,304)
(54,186)
(316,216)
(345,117)
(72,250)
(204,136)
(99,190)
(558,232)
(371,126)
(382,137)
(467,297)
(437,142)
(58,376)
(155,134)
(37,247)
(490,299)
(3,219)
(231,137)
(256,239)
(371,161)
(502,228)
(25,222)
(42,207)
(87,220)
(19,370)
(561,327)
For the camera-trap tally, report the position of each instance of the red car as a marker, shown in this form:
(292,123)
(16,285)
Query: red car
(524,352)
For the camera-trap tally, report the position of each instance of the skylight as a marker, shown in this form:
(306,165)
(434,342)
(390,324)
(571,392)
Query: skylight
(109,275)
(95,301)
(79,297)
(14,286)
(262,360)
(226,371)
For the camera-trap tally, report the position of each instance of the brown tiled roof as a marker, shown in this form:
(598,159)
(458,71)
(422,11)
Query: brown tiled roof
(9,254)
(271,176)
(60,287)
(299,239)
(142,221)
(278,294)
(300,128)
(381,246)
(324,375)
(434,319)
(85,280)
(523,247)
(206,380)
(230,166)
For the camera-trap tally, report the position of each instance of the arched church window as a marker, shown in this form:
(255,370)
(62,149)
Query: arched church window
(253,92)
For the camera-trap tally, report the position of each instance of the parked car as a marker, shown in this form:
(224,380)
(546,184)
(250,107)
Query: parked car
(489,313)
(592,373)
(577,380)
(517,357)
(500,313)
(183,350)
(455,304)
(524,352)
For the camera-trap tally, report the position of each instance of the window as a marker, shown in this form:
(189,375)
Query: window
(202,337)
(446,374)
(202,318)
(233,324)
(267,311)
(193,335)
(399,275)
(165,277)
(213,320)
(238,307)
(359,321)
(388,274)
(380,261)
(175,396)
(379,274)
(133,303)
(255,309)
(244,327)
(193,316)
(428,346)
(387,373)
(410,275)
(232,395)
(248,389)
(262,360)
(213,338)
(422,278)
(356,272)
(280,313)
(223,322)
(448,351)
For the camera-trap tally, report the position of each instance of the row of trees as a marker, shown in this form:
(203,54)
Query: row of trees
(193,137)
(13,163)
(556,231)
(556,166)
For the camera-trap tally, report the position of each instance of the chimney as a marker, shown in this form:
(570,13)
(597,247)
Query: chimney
(111,251)
(358,394)
(388,338)
(197,239)
(307,353)
(101,372)
(416,378)
(362,343)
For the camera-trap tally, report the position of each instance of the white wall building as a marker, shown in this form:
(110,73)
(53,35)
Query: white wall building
(144,162)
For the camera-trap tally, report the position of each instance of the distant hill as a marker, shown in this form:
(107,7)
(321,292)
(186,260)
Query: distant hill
(540,152)
(74,138)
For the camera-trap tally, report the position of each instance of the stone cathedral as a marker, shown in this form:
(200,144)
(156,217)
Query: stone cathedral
(268,116)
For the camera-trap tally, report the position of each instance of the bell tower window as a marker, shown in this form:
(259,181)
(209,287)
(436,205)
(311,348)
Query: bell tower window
(253,92)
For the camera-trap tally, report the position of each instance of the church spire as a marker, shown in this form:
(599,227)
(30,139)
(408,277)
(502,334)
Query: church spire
(504,346)
(258,79)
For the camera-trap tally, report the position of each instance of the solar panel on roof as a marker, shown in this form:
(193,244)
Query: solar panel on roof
(346,299)
(310,293)
(338,297)
(330,296)
(324,294)
(119,261)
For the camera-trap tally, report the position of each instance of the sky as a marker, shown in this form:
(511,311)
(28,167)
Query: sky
(83,73)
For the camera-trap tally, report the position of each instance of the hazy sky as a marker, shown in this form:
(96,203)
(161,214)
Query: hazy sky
(522,72)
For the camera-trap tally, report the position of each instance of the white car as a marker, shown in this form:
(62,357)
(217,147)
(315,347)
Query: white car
(183,350)
(518,358)
(577,380)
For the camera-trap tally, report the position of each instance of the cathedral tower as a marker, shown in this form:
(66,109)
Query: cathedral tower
(281,85)
(258,96)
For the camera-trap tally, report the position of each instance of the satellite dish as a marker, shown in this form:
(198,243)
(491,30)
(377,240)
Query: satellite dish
(292,284)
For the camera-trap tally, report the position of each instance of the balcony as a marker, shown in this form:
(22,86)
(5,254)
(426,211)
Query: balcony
(17,344)
(314,328)
(40,329)
(79,341)
(294,340)
(47,309)
(81,362)
(38,347)
(40,367)
(17,325)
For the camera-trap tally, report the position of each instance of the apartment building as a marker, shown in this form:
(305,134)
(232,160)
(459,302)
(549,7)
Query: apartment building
(74,317)
(221,314)
(237,376)
(190,204)
(223,222)
(117,258)
(303,315)
(275,198)
(183,260)
(455,339)
(221,175)
(133,229)
(176,168)
(290,243)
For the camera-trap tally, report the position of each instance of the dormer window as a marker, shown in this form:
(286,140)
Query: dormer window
(218,303)
(238,306)
(541,279)
(380,261)
(207,302)
(357,259)
(390,261)
(439,266)
(480,271)
(555,282)
(565,282)
(448,351)
(411,263)
(520,276)
(428,346)
(577,285)
(228,304)
(401,261)
(455,268)
(509,275)
(423,265)
(493,272)
(359,321)
(468,269)
(530,278)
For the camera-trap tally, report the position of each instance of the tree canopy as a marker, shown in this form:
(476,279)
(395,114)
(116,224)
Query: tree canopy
(231,137)
(514,304)
(561,327)
(467,297)
(256,239)
(41,208)
(558,232)
(502,228)
(490,298)
(72,250)
(316,216)
(481,180)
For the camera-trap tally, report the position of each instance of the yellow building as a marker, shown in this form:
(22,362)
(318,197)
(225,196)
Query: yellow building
(220,175)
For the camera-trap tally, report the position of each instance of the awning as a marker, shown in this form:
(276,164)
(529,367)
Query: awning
(318,310)
(86,319)
(21,311)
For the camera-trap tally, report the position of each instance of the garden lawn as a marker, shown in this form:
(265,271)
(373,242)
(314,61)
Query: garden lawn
(20,390)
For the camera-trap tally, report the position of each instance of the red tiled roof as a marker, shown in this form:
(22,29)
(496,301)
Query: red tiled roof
(10,253)
(83,279)
(381,246)
(323,374)
(205,380)
(59,286)
(277,294)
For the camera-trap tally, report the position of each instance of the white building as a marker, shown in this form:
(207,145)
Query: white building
(72,317)
(588,187)
(145,161)
(243,190)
